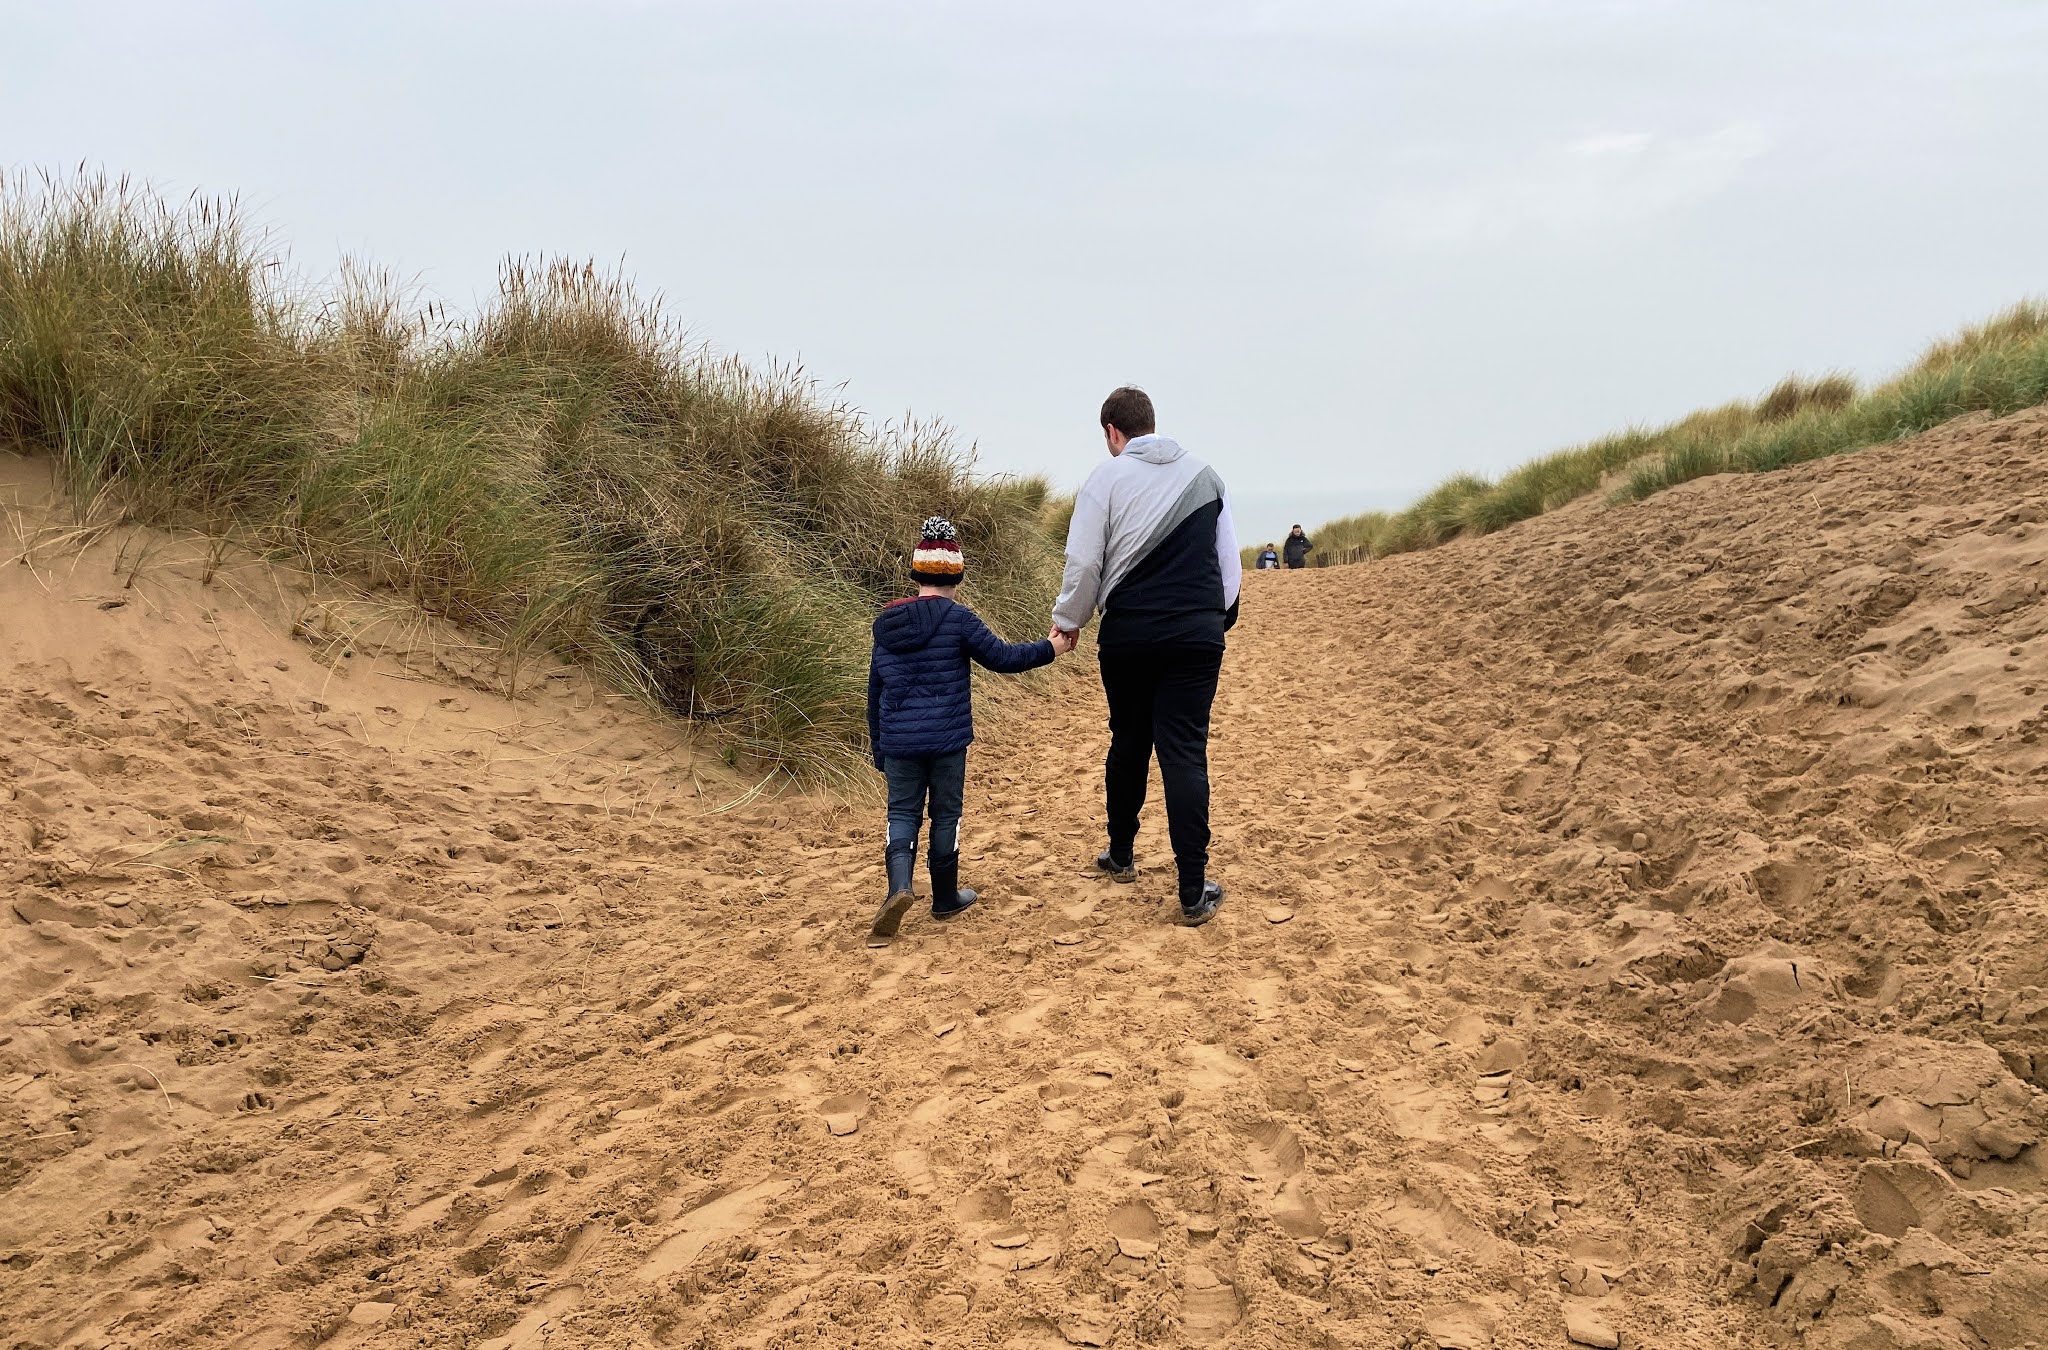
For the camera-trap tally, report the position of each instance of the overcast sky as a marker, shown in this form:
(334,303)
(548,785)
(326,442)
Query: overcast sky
(1350,247)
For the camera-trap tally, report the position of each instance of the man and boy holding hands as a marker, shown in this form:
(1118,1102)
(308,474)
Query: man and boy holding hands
(1152,546)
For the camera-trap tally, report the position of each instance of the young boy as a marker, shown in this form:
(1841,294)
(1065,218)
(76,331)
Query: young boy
(921,718)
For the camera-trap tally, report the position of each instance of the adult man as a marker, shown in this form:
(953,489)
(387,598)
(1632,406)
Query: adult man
(1297,547)
(1152,545)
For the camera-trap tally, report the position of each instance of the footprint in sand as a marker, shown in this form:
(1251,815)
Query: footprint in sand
(294,1219)
(1136,1230)
(362,1323)
(1438,1227)
(982,1205)
(1266,997)
(1415,1110)
(987,1227)
(1209,1305)
(427,1213)
(909,1157)
(1078,1325)
(1515,1140)
(842,1114)
(1026,1020)
(982,1216)
(706,1046)
(730,1213)
(1203,1226)
(1213,1069)
(1060,1103)
(513,1208)
(1067,934)
(1014,1248)
(569,1249)
(532,1329)
(1275,1153)
(885,985)
(1274,1159)
(1461,1326)
(492,1049)
(914,1165)
(1107,1164)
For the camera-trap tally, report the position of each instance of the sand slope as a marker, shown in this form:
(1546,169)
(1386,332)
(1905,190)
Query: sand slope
(1637,926)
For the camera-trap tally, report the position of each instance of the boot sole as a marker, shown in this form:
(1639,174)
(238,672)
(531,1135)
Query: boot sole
(889,918)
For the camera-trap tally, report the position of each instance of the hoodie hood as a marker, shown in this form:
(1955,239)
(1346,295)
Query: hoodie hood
(1154,449)
(907,625)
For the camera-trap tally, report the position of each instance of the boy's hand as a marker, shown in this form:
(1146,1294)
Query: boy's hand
(1063,640)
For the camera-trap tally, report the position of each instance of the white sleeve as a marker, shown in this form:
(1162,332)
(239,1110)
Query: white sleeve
(1227,555)
(1087,542)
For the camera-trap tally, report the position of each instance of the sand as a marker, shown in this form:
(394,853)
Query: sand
(1635,935)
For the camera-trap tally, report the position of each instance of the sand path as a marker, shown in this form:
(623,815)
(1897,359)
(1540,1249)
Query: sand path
(1633,926)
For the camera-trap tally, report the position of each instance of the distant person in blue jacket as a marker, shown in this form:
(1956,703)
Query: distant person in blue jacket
(1269,560)
(921,718)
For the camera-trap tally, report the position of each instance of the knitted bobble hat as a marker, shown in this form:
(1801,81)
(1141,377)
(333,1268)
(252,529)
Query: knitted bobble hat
(937,561)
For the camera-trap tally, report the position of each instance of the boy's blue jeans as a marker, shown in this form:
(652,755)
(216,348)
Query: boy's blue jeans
(914,779)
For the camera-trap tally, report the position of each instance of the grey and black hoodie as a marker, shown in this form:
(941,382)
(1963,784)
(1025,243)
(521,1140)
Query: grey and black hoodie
(1153,546)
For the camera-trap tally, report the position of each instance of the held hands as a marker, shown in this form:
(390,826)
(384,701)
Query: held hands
(1063,640)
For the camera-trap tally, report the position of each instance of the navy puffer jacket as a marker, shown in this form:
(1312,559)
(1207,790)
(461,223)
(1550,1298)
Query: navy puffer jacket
(919,699)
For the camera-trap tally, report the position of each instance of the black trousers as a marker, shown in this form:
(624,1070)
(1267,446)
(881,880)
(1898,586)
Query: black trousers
(1159,699)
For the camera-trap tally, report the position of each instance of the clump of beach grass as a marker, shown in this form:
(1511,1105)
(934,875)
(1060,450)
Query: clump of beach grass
(1998,366)
(553,471)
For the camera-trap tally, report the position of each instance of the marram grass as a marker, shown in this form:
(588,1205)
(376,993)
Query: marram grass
(545,472)
(1998,366)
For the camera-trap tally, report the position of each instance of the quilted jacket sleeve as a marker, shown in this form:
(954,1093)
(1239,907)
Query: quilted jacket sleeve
(1005,658)
(875,709)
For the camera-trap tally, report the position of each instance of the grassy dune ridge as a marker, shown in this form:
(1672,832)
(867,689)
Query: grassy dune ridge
(1998,366)
(544,471)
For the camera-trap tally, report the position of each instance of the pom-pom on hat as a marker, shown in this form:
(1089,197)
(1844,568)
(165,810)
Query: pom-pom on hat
(937,561)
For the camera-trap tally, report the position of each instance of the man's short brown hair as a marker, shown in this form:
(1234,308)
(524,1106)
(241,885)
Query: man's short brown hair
(1129,410)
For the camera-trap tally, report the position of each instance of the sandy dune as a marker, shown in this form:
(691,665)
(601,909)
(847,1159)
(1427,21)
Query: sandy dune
(1638,927)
